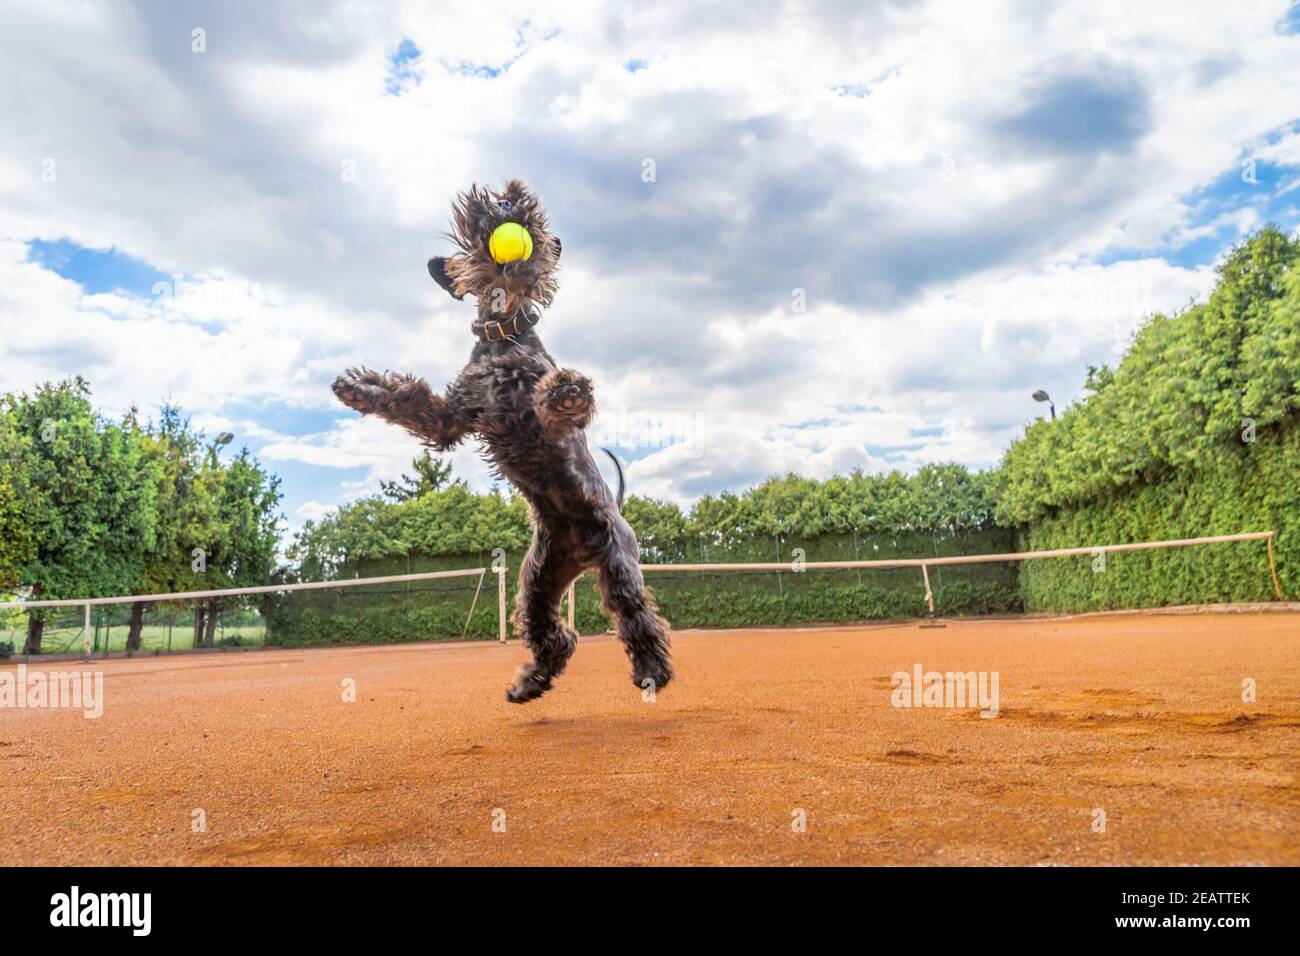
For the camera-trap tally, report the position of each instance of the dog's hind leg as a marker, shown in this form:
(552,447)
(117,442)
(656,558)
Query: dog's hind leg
(543,579)
(402,400)
(643,632)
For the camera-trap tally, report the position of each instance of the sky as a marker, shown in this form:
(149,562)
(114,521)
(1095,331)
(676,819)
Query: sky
(805,237)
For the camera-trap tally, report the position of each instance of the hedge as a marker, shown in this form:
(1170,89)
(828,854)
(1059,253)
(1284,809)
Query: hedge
(1253,488)
(396,613)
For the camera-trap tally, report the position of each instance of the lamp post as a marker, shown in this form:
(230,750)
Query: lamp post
(225,438)
(1042,396)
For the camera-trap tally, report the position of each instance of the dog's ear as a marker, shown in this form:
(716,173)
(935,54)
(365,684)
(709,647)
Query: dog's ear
(438,269)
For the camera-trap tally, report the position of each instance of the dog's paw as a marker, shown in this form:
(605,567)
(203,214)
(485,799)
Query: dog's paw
(529,685)
(652,674)
(564,400)
(362,389)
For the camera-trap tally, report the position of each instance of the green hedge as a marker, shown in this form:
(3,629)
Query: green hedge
(390,613)
(1251,488)
(437,610)
(1196,433)
(1180,400)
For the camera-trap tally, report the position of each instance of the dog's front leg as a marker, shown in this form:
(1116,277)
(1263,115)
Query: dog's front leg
(402,400)
(563,401)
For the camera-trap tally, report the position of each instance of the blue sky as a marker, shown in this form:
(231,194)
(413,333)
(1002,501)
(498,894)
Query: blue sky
(1268,191)
(95,270)
(794,240)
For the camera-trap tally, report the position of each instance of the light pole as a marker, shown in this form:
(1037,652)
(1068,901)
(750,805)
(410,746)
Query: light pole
(225,438)
(1042,396)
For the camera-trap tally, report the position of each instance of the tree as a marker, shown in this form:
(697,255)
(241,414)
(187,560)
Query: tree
(88,498)
(1098,377)
(91,507)
(16,540)
(247,515)
(660,528)
(186,514)
(430,475)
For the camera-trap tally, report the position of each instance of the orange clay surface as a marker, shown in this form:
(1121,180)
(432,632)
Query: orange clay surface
(1139,716)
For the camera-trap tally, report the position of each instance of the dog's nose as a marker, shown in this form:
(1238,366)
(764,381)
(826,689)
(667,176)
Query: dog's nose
(505,204)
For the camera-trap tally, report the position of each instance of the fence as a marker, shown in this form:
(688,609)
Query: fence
(719,594)
(387,586)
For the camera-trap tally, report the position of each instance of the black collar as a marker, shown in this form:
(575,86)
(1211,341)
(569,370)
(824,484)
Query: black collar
(492,330)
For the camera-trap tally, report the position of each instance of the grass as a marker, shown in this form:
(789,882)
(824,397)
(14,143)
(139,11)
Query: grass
(67,639)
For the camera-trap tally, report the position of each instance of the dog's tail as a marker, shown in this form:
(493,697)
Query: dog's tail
(618,466)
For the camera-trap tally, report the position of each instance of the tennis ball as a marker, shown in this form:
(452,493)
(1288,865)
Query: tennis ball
(510,242)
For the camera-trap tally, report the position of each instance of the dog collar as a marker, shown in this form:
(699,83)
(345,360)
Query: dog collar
(499,330)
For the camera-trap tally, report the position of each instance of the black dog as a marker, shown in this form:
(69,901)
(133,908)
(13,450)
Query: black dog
(530,414)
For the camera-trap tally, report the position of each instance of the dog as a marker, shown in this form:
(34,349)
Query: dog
(530,416)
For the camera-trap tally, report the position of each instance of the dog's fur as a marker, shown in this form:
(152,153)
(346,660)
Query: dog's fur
(530,415)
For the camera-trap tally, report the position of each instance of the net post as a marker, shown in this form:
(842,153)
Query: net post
(571,593)
(929,595)
(472,604)
(85,633)
(930,620)
(1272,567)
(501,604)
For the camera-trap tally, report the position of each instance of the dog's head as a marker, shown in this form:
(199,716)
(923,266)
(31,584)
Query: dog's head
(501,290)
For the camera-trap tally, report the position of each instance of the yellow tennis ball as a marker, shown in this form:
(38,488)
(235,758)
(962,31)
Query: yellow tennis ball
(510,242)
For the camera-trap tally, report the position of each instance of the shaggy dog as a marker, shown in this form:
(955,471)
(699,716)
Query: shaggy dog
(530,415)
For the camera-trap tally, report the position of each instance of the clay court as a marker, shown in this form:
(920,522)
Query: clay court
(1138,715)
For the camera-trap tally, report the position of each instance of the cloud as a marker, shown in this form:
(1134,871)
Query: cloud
(870,229)
(1104,109)
(313,511)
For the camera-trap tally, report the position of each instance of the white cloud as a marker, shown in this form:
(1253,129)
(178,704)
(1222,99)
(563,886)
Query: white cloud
(944,225)
(313,511)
